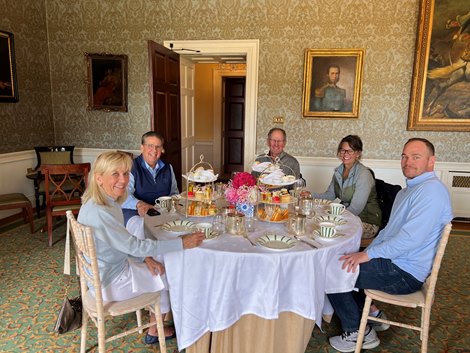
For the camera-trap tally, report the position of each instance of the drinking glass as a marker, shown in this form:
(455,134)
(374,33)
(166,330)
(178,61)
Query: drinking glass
(218,224)
(299,185)
(269,209)
(250,224)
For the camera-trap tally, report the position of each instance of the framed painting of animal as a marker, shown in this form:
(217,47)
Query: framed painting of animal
(440,89)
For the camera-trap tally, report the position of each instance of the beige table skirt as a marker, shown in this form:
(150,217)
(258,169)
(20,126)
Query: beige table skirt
(290,333)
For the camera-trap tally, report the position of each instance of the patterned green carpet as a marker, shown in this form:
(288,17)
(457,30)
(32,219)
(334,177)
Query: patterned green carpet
(31,293)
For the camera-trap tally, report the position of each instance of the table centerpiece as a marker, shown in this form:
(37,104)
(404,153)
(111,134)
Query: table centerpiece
(242,192)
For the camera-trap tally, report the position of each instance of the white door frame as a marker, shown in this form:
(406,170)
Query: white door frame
(217,108)
(250,48)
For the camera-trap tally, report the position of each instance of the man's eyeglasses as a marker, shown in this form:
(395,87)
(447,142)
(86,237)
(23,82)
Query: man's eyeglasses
(277,141)
(152,147)
(348,152)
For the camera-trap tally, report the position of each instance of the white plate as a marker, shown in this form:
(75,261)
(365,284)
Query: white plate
(276,242)
(179,226)
(316,232)
(338,221)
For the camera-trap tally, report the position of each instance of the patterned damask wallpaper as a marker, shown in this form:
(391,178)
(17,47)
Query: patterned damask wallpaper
(385,29)
(27,123)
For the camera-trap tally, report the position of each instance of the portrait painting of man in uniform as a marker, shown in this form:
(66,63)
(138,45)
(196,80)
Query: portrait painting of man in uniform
(332,83)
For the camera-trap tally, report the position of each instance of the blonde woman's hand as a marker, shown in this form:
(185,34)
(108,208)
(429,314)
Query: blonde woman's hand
(192,240)
(155,267)
(142,208)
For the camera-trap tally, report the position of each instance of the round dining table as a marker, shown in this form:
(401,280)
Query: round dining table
(232,294)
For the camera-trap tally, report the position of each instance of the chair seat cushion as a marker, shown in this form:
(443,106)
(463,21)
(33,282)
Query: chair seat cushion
(412,300)
(12,199)
(64,208)
(121,307)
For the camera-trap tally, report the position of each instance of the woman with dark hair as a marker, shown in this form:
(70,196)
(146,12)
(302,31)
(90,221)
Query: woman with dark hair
(354,185)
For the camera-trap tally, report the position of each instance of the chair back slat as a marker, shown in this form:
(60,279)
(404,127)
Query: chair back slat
(430,283)
(65,183)
(87,260)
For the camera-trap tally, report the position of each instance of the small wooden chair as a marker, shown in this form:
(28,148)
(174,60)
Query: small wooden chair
(423,299)
(93,305)
(64,187)
(17,200)
(47,155)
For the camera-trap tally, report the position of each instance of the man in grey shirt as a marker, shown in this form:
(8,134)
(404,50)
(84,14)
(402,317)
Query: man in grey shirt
(277,139)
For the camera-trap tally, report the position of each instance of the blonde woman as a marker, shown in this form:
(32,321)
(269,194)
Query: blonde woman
(126,263)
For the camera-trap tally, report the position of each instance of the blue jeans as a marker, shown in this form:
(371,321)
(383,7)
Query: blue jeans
(379,274)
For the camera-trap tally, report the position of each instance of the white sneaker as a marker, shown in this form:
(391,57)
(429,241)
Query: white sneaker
(347,341)
(379,326)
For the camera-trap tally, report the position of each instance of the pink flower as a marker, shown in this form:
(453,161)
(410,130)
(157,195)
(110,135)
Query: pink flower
(243,178)
(242,189)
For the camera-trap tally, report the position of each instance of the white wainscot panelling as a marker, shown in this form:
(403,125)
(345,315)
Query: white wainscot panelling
(317,172)
(456,176)
(459,182)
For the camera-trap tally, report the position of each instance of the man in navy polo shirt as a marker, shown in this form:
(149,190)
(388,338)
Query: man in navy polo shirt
(150,177)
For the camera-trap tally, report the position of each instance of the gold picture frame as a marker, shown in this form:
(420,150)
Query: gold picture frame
(332,83)
(8,81)
(107,82)
(440,91)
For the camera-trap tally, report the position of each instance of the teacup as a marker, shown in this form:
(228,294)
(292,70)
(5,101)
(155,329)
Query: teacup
(327,229)
(163,203)
(337,208)
(205,227)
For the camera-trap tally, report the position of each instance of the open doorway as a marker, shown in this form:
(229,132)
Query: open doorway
(250,49)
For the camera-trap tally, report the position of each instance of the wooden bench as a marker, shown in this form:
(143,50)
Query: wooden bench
(17,200)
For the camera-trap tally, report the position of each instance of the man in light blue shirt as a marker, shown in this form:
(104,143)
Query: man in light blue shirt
(400,258)
(150,177)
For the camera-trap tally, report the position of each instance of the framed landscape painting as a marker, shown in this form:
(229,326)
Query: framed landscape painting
(107,82)
(8,83)
(332,83)
(440,90)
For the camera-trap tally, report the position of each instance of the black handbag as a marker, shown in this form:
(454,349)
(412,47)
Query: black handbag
(70,315)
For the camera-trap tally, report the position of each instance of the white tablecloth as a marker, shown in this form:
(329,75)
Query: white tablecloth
(212,286)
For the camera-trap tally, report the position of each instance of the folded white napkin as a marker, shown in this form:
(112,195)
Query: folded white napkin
(273,178)
(201,175)
(266,167)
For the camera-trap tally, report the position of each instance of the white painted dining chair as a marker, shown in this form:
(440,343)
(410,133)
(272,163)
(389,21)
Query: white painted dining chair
(423,299)
(93,305)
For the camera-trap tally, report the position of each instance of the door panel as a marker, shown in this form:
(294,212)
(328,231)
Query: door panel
(187,72)
(234,123)
(165,102)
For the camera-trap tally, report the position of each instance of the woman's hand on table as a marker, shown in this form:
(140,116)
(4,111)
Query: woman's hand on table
(155,267)
(192,240)
(142,208)
(352,261)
